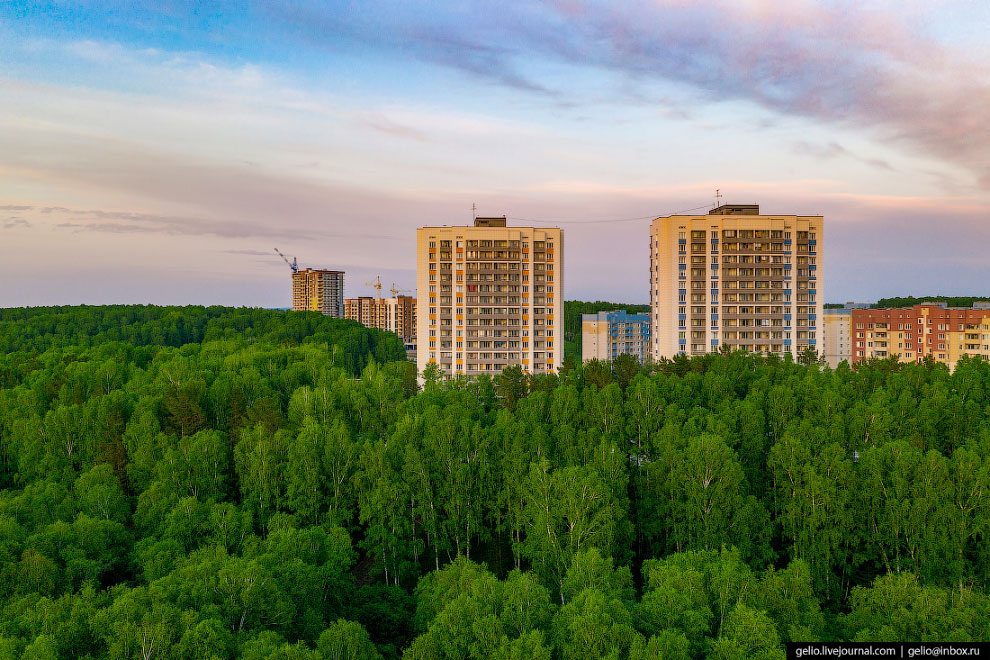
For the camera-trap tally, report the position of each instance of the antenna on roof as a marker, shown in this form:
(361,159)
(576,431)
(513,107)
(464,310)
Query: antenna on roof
(718,198)
(474,211)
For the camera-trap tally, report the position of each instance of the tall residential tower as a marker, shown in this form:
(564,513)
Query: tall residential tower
(318,290)
(735,278)
(489,296)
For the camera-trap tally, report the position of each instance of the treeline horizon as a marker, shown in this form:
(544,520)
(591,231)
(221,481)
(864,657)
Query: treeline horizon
(284,488)
(911,301)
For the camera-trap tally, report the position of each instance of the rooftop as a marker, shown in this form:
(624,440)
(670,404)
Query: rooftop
(618,315)
(489,222)
(736,209)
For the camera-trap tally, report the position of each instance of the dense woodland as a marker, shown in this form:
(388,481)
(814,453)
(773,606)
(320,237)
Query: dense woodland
(196,483)
(910,301)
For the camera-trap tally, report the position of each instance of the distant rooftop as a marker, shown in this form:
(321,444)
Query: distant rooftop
(977,304)
(319,270)
(617,316)
(489,222)
(736,209)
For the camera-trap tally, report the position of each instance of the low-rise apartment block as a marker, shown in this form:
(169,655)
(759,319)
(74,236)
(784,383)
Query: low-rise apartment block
(607,335)
(837,326)
(396,315)
(913,333)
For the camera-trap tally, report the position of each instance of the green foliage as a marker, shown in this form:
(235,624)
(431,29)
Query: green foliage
(899,608)
(207,483)
(910,301)
(347,640)
(123,328)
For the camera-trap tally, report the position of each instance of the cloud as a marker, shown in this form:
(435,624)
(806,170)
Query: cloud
(14,222)
(843,63)
(253,253)
(383,124)
(833,150)
(129,222)
(446,40)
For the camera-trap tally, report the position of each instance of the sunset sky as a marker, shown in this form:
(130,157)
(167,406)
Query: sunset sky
(158,152)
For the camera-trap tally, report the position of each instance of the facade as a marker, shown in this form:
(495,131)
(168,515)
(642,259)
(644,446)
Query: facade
(837,327)
(735,278)
(318,290)
(362,309)
(490,296)
(396,315)
(913,333)
(607,335)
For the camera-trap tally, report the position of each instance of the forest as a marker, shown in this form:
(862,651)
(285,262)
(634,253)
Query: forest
(187,483)
(911,301)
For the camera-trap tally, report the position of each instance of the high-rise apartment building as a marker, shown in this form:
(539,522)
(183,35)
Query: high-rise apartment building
(913,333)
(490,296)
(607,335)
(318,290)
(396,315)
(735,278)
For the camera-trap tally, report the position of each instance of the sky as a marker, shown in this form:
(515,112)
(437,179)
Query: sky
(158,152)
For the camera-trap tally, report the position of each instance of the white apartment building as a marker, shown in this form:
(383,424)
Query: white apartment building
(736,278)
(489,296)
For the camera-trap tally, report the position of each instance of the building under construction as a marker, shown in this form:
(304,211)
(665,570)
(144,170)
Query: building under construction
(318,290)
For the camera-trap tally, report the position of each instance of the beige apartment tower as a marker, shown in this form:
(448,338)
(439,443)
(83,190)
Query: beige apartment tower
(736,278)
(318,290)
(490,296)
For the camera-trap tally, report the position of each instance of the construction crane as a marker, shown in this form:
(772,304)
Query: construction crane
(377,284)
(292,264)
(395,291)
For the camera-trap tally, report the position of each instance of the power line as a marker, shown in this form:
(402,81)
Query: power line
(607,220)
